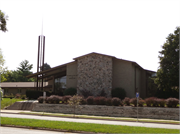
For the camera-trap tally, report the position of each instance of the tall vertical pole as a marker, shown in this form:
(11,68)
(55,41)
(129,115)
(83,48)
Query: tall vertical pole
(38,62)
(43,59)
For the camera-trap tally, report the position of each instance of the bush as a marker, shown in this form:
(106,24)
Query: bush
(70,91)
(17,96)
(23,97)
(108,101)
(40,99)
(33,94)
(85,93)
(172,102)
(54,99)
(83,101)
(119,92)
(151,101)
(90,100)
(141,102)
(155,102)
(96,101)
(75,100)
(116,101)
(66,98)
(161,102)
(133,101)
(100,100)
(126,101)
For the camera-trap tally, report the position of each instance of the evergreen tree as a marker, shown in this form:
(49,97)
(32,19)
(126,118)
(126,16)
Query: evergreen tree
(168,72)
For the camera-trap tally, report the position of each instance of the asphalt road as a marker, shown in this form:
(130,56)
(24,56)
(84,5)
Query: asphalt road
(12,130)
(151,125)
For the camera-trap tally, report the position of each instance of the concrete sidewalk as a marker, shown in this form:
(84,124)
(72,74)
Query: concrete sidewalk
(15,114)
(26,111)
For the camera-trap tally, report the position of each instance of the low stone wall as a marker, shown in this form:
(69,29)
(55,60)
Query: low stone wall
(22,105)
(113,111)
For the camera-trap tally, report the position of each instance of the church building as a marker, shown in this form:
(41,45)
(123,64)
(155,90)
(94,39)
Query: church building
(95,72)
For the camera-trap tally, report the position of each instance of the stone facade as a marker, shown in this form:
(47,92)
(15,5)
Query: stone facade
(113,111)
(94,74)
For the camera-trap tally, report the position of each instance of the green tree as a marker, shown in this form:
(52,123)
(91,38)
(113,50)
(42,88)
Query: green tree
(20,74)
(12,76)
(2,68)
(46,66)
(168,72)
(24,70)
(3,19)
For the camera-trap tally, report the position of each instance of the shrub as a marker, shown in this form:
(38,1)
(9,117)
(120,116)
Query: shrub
(54,99)
(119,92)
(66,98)
(155,102)
(108,101)
(151,101)
(17,96)
(90,100)
(161,102)
(126,101)
(141,102)
(96,100)
(85,93)
(70,91)
(172,102)
(11,96)
(75,100)
(83,101)
(40,99)
(23,97)
(100,100)
(116,101)
(33,94)
(133,101)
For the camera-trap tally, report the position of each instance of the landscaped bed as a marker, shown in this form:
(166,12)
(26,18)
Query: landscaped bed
(148,102)
(152,108)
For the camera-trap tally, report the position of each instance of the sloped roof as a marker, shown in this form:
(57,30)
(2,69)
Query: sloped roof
(19,84)
(64,65)
(92,54)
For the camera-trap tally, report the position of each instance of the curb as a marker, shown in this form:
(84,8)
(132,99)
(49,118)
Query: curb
(90,118)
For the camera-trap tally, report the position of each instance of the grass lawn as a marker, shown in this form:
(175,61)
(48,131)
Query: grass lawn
(86,127)
(7,101)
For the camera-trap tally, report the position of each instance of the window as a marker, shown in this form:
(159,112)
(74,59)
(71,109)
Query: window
(60,83)
(19,90)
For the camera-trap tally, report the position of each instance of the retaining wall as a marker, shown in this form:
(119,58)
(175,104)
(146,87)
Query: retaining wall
(113,111)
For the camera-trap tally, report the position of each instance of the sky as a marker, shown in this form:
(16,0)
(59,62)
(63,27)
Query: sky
(133,30)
